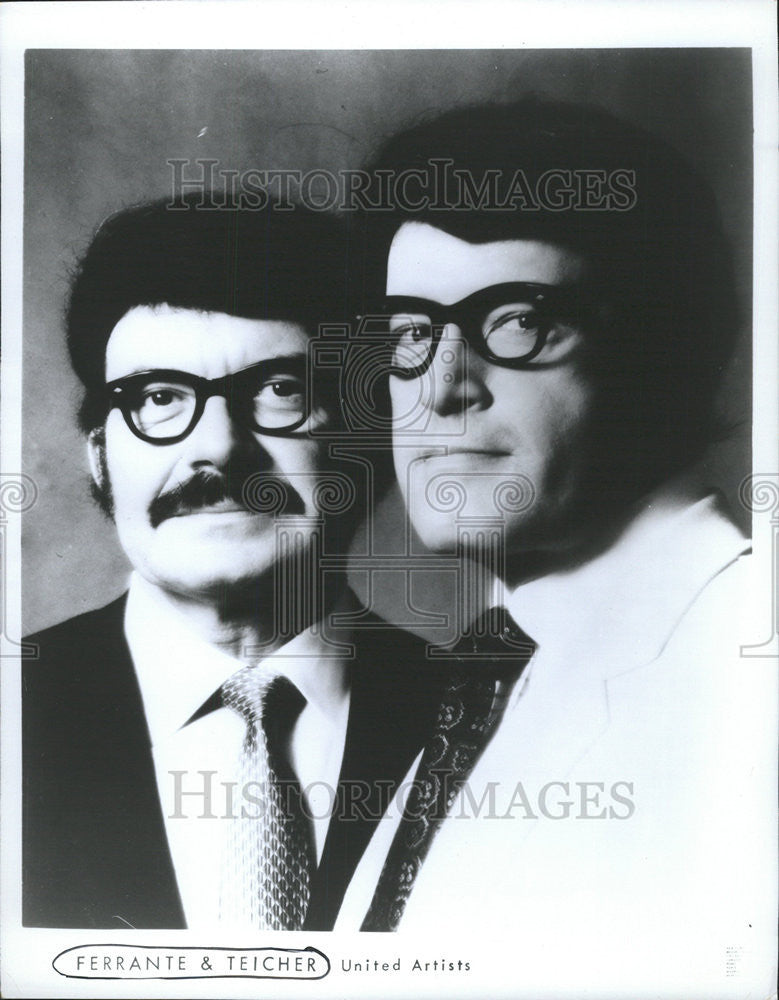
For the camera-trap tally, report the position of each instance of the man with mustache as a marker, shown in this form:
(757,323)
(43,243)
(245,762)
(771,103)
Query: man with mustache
(557,303)
(213,748)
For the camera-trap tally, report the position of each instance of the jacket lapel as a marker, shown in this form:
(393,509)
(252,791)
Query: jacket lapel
(394,696)
(96,853)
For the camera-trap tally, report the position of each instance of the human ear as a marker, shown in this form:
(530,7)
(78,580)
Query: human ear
(96,456)
(101,483)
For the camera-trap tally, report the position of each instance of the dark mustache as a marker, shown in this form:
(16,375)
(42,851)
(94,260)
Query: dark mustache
(206,489)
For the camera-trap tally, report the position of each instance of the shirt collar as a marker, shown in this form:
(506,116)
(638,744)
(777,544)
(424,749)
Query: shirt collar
(178,671)
(619,608)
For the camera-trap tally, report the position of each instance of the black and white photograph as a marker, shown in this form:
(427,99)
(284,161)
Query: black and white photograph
(389,503)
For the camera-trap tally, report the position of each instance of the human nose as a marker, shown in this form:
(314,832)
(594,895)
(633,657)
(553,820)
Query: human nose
(216,438)
(456,374)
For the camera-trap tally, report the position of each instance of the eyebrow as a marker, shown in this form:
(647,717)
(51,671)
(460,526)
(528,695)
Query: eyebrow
(295,361)
(536,292)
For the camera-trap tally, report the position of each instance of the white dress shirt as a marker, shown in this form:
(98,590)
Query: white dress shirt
(196,762)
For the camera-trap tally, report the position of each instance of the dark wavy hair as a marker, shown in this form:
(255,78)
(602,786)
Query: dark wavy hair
(659,259)
(265,264)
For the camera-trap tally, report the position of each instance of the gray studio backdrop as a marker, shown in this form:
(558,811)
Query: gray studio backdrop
(101,126)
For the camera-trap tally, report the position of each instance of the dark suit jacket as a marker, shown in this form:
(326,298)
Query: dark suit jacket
(95,852)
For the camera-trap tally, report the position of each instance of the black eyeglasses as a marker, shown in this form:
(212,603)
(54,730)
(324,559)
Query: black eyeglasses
(507,324)
(163,406)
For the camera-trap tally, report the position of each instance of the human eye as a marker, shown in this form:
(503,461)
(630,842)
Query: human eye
(410,327)
(514,331)
(162,396)
(157,402)
(412,336)
(279,401)
(281,390)
(524,331)
(519,320)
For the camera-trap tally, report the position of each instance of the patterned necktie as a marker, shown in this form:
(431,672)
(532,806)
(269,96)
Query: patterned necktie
(488,660)
(269,853)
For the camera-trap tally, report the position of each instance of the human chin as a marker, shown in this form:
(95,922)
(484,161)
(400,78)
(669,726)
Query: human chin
(221,560)
(476,533)
(461,501)
(449,510)
(445,493)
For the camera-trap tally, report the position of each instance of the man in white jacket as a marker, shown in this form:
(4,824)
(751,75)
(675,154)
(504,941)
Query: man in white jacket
(559,302)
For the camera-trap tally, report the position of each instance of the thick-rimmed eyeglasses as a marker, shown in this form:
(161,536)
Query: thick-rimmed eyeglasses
(508,324)
(163,406)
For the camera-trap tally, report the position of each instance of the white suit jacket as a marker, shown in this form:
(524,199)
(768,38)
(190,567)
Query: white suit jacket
(638,710)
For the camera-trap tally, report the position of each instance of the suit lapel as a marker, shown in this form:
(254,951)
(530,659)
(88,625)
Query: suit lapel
(394,696)
(92,809)
(96,852)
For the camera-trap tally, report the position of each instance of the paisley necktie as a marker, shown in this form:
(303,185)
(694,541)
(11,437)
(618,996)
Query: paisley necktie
(486,663)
